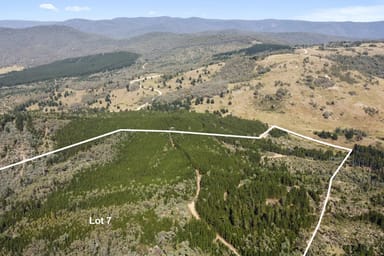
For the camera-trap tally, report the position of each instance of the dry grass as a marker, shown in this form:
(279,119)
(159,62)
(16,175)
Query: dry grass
(5,70)
(303,110)
(205,74)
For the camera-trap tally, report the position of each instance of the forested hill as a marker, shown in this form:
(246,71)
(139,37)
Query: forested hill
(70,67)
(44,44)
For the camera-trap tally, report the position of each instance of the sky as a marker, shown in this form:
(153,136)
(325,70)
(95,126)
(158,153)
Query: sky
(318,10)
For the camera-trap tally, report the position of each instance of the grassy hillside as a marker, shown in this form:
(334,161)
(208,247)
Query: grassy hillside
(70,67)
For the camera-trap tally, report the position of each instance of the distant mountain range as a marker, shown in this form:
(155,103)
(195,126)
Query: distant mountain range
(32,43)
(38,45)
(122,28)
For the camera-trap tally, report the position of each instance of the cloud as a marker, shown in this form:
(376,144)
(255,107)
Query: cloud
(76,8)
(152,13)
(48,6)
(349,13)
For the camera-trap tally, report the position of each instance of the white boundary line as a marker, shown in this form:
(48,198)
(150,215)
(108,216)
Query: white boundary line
(325,203)
(330,180)
(264,134)
(135,130)
(312,139)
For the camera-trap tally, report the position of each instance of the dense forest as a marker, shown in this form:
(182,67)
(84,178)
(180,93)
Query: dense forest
(70,67)
(152,176)
(368,156)
(255,50)
(262,208)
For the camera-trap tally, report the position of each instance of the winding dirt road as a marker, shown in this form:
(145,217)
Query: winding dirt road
(191,205)
(264,134)
(156,90)
(195,214)
(229,246)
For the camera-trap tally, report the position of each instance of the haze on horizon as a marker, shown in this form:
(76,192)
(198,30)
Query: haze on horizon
(59,10)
